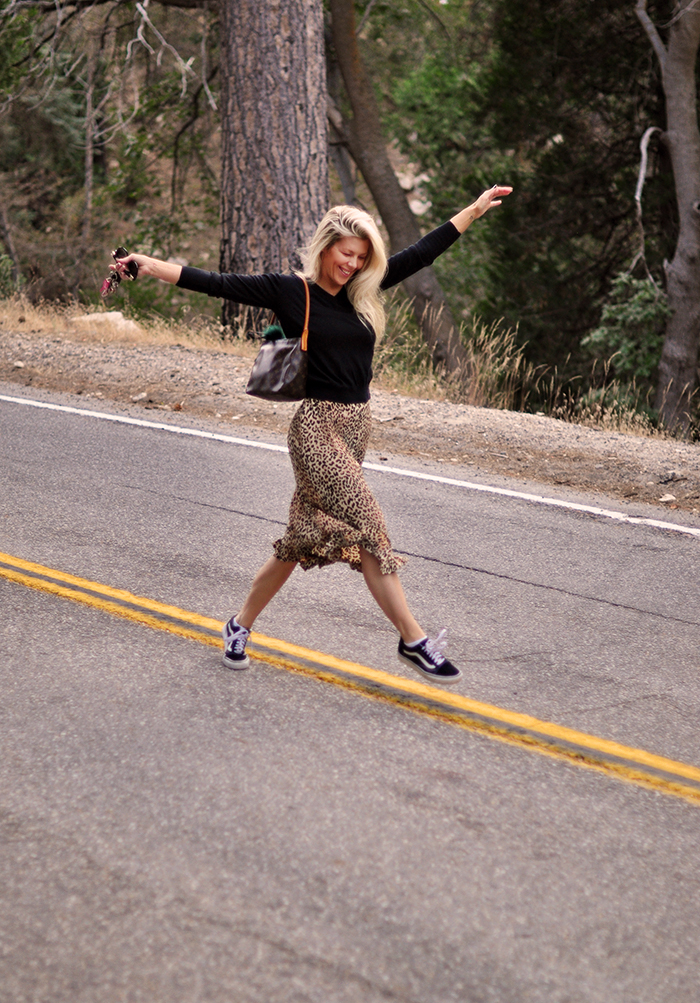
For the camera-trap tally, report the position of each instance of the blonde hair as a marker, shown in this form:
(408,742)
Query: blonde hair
(363,288)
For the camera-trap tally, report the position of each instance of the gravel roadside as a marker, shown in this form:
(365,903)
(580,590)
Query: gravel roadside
(86,360)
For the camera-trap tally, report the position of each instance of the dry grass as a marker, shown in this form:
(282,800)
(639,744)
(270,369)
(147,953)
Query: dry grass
(402,362)
(18,314)
(495,373)
(498,375)
(600,402)
(108,325)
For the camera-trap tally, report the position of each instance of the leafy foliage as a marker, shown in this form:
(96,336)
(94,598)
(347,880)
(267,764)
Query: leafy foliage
(20,39)
(631,330)
(155,130)
(549,95)
(555,105)
(7,286)
(40,145)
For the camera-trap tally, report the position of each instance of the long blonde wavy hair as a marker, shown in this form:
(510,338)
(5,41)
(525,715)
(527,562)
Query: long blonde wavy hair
(363,287)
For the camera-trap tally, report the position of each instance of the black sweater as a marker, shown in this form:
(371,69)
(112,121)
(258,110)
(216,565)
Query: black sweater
(341,346)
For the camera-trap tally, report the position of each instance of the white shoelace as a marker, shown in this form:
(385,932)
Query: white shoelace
(435,645)
(236,638)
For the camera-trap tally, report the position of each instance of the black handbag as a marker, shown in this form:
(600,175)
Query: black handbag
(279,370)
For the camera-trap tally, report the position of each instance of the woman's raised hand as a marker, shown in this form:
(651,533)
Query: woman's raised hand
(491,197)
(487,200)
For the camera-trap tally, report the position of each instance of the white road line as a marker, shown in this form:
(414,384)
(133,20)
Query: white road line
(541,500)
(122,420)
(398,471)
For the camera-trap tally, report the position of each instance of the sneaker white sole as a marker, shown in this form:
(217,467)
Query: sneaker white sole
(432,676)
(237,663)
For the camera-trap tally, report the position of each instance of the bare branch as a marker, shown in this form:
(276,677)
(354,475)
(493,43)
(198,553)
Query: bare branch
(435,16)
(185,67)
(681,13)
(52,5)
(335,118)
(644,148)
(180,133)
(650,28)
(205,82)
(365,16)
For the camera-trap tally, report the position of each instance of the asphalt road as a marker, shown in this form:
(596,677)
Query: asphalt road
(173,831)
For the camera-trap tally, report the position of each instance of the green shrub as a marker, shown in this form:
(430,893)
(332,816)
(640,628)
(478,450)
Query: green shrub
(631,331)
(7,285)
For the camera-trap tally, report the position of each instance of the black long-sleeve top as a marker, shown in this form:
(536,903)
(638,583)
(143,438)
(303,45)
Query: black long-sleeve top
(340,345)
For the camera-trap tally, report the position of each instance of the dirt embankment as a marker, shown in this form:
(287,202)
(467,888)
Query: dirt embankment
(82,360)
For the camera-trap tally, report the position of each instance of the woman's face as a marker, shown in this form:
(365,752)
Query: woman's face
(341,261)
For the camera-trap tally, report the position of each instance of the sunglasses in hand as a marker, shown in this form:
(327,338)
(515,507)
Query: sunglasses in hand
(115,277)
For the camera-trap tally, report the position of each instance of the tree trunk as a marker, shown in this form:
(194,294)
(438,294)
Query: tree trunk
(368,148)
(274,135)
(86,231)
(15,273)
(679,358)
(337,138)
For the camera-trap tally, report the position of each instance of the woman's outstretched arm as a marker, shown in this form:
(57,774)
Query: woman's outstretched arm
(167,271)
(487,200)
(268,291)
(435,243)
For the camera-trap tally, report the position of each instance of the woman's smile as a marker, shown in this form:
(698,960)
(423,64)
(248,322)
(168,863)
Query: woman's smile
(341,261)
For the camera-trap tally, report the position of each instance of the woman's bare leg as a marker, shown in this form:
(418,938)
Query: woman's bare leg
(266,584)
(388,592)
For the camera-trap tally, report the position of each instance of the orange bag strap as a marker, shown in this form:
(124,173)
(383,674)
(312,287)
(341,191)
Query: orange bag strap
(305,332)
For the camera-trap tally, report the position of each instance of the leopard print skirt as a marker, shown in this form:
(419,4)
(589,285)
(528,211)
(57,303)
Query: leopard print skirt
(333,512)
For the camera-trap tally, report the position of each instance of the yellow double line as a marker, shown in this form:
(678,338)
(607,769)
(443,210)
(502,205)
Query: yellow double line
(622,761)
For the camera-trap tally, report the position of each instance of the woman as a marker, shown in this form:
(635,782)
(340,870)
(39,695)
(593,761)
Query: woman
(333,514)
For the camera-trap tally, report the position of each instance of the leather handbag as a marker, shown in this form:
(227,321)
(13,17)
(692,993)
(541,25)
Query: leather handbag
(279,370)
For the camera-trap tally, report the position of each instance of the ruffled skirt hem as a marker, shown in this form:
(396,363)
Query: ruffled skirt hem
(333,513)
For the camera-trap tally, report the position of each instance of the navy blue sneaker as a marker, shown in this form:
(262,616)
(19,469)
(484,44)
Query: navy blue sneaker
(426,657)
(235,639)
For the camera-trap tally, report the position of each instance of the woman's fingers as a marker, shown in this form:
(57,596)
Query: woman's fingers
(498,191)
(121,265)
(493,197)
(138,258)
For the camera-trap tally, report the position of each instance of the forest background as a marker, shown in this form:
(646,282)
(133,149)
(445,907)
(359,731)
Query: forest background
(111,133)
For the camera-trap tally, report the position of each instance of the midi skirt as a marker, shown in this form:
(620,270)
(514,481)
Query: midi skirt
(333,513)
